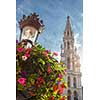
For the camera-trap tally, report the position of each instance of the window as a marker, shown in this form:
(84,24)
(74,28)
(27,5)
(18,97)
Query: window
(65,44)
(67,33)
(68,59)
(68,62)
(74,82)
(69,95)
(75,95)
(69,92)
(68,45)
(68,81)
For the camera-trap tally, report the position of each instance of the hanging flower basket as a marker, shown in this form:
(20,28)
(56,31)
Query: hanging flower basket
(39,76)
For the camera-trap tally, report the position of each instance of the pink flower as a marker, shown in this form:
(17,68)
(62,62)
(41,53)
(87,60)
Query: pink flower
(55,54)
(49,70)
(28,50)
(22,81)
(65,70)
(48,51)
(20,49)
(45,53)
(48,64)
(60,76)
(27,55)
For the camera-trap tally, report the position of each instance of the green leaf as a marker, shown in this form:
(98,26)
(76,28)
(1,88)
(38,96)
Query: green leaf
(28,84)
(20,87)
(18,68)
(41,61)
(32,81)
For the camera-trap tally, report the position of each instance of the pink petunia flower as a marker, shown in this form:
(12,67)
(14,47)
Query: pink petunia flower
(28,50)
(49,70)
(45,53)
(55,54)
(27,55)
(65,70)
(22,81)
(48,51)
(20,49)
(60,76)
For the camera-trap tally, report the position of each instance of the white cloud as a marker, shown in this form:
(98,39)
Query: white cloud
(78,45)
(77,42)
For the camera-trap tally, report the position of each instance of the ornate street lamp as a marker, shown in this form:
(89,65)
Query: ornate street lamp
(30,26)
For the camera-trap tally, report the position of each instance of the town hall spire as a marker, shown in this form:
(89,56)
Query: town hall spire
(68,46)
(71,59)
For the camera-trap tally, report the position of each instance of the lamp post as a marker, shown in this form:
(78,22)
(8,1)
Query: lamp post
(31,26)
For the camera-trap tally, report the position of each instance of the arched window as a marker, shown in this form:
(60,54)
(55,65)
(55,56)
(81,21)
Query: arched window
(69,81)
(68,45)
(69,95)
(68,59)
(68,62)
(74,82)
(65,44)
(67,33)
(75,95)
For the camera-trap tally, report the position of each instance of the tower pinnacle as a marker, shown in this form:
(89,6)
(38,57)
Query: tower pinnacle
(68,24)
(68,17)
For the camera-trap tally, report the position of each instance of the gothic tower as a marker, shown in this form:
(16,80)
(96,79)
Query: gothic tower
(71,59)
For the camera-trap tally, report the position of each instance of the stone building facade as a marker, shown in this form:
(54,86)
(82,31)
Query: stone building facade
(71,59)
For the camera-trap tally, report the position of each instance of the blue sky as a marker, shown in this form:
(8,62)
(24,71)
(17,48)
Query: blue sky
(54,14)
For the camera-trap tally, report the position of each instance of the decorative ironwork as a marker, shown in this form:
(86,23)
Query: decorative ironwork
(33,21)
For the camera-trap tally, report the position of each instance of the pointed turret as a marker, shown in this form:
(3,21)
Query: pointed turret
(68,28)
(68,25)
(68,41)
(70,58)
(68,33)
